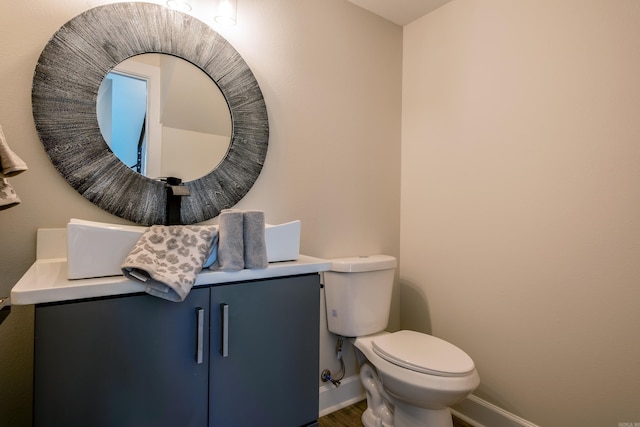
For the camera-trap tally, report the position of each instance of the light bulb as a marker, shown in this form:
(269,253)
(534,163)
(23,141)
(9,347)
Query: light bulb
(181,5)
(226,14)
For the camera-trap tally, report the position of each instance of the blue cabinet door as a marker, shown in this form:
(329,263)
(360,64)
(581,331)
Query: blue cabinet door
(264,353)
(122,362)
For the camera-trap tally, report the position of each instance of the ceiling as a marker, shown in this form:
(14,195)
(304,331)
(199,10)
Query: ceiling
(400,12)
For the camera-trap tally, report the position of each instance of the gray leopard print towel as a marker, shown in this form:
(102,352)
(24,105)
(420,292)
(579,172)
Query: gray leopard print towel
(167,259)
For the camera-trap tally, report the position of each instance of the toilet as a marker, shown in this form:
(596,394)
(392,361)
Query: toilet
(410,378)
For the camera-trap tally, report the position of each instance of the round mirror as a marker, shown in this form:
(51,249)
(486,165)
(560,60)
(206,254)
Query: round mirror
(65,90)
(163,117)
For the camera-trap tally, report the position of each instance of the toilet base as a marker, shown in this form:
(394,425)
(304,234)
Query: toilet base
(413,416)
(410,416)
(384,410)
(379,412)
(369,419)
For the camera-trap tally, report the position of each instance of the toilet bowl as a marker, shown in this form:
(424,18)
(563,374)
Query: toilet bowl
(424,377)
(410,378)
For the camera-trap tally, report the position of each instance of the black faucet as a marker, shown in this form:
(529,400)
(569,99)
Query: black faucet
(175,192)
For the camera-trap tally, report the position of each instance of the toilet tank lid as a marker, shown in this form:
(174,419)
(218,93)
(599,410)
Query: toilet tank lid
(358,264)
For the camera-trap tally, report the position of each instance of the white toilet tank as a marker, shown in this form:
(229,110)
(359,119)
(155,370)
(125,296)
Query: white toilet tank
(358,294)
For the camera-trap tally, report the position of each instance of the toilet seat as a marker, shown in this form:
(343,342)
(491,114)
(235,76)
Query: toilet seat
(423,353)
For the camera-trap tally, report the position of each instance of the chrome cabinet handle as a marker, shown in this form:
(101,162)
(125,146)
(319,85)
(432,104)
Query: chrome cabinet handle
(224,348)
(200,335)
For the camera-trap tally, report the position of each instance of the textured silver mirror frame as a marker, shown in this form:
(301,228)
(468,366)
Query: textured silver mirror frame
(65,87)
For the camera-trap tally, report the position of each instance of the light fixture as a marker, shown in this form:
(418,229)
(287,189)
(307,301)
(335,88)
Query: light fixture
(181,5)
(226,12)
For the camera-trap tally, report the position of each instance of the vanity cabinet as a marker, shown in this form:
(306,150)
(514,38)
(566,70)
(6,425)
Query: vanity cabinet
(123,361)
(138,360)
(264,353)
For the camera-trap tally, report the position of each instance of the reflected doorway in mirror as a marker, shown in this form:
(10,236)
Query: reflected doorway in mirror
(162,117)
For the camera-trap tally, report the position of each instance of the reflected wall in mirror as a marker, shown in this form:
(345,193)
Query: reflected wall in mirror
(66,82)
(162,116)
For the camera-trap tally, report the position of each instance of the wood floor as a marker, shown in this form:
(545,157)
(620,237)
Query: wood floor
(346,417)
(351,417)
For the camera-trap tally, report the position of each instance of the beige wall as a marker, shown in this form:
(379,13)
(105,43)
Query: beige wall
(520,213)
(520,204)
(331,77)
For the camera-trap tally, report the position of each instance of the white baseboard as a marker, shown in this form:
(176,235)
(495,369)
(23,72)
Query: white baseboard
(334,398)
(481,413)
(472,410)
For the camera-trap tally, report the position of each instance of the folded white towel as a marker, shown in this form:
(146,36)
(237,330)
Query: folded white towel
(10,163)
(167,259)
(8,197)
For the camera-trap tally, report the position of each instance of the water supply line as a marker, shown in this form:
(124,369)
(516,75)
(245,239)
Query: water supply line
(326,374)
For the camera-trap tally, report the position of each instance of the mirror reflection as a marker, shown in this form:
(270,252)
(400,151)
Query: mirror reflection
(162,116)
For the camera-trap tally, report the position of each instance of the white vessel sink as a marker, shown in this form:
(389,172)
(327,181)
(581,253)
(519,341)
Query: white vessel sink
(97,249)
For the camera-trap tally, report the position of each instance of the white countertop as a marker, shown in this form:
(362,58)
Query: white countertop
(46,280)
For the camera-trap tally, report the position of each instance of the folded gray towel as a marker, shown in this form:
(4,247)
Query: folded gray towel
(167,259)
(255,247)
(230,241)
